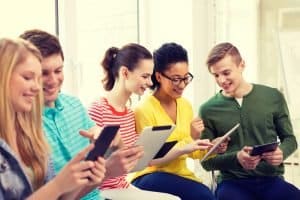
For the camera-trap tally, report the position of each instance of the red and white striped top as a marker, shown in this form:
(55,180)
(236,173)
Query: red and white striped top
(104,114)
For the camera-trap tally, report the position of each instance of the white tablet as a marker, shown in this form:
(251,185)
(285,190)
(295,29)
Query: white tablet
(220,141)
(152,139)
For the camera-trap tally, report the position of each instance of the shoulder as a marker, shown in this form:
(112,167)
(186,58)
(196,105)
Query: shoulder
(147,102)
(182,101)
(68,99)
(210,103)
(267,91)
(98,104)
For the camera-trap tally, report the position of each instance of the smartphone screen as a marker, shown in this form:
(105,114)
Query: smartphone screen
(103,142)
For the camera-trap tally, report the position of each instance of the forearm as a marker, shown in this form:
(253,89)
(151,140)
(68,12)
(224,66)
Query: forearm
(223,162)
(170,156)
(50,191)
(84,191)
(77,194)
(288,146)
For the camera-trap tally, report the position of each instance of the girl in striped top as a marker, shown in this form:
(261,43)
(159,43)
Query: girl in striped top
(127,70)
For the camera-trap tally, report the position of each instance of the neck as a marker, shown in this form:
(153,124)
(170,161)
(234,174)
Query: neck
(118,97)
(50,104)
(242,90)
(163,97)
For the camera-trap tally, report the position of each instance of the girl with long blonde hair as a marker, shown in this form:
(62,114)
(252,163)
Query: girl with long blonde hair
(24,152)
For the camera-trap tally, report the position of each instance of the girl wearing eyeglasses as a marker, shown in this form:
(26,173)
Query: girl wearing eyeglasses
(167,106)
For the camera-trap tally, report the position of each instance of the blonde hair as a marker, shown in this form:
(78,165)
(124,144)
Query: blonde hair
(31,142)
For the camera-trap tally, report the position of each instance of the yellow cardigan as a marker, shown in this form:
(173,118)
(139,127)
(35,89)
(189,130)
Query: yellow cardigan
(149,112)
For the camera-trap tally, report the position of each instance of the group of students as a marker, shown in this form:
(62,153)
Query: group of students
(46,134)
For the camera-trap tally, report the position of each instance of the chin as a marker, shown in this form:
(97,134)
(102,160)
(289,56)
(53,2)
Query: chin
(27,108)
(50,98)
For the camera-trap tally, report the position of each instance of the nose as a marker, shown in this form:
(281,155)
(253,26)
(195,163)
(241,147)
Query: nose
(182,84)
(221,79)
(36,86)
(150,83)
(49,79)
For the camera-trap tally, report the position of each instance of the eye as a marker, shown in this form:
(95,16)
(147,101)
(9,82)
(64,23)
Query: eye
(27,78)
(176,80)
(226,73)
(45,73)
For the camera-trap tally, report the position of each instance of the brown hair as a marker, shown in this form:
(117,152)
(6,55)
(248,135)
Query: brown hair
(129,55)
(221,50)
(47,44)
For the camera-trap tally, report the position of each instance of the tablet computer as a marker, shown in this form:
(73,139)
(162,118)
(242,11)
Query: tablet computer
(152,139)
(165,149)
(226,135)
(102,143)
(260,149)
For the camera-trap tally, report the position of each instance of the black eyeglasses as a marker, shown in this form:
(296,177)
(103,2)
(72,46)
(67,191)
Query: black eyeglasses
(177,81)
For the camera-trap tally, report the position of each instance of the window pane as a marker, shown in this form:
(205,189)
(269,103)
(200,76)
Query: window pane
(17,16)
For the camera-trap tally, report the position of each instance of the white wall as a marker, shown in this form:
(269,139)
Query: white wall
(16,16)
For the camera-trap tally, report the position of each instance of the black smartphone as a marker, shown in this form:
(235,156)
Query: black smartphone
(165,149)
(260,149)
(102,143)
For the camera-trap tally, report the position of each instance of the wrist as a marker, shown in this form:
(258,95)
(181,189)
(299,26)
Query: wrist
(56,188)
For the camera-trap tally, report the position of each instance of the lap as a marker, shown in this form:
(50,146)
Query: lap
(256,189)
(185,188)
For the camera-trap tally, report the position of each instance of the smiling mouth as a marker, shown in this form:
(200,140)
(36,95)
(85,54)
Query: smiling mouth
(50,91)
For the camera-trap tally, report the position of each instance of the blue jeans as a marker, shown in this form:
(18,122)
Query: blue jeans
(184,188)
(259,188)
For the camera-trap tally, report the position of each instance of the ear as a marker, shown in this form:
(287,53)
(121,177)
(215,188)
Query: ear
(158,76)
(124,71)
(242,65)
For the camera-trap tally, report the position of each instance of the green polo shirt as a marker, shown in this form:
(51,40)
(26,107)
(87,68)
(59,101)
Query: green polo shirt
(61,125)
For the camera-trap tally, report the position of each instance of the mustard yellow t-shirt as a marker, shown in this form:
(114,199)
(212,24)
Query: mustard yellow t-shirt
(150,113)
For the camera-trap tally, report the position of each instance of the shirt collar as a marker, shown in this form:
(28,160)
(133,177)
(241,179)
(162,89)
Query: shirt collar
(58,107)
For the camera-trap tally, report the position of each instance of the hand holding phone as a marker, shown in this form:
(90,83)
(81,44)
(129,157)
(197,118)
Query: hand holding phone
(103,142)
(260,149)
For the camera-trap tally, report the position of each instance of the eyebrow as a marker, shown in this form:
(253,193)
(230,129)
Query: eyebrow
(28,72)
(179,76)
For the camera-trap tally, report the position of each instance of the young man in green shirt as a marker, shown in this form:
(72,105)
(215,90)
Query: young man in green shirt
(264,118)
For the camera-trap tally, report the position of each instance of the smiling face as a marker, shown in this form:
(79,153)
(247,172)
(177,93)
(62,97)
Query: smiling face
(139,79)
(179,70)
(53,77)
(25,84)
(228,75)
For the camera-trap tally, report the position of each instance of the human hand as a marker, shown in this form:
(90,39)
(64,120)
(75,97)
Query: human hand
(223,146)
(123,160)
(197,126)
(94,132)
(197,145)
(248,162)
(274,157)
(76,173)
(98,172)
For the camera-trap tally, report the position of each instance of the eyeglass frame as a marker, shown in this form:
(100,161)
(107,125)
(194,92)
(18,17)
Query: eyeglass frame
(184,80)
